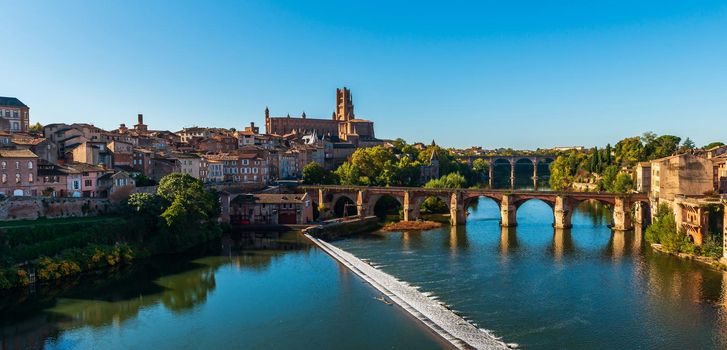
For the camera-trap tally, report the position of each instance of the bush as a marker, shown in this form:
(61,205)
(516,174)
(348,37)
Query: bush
(711,247)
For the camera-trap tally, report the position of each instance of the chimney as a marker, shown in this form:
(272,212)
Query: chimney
(141,118)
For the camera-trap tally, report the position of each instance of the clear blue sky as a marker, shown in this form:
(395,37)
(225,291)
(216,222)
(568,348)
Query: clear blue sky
(519,74)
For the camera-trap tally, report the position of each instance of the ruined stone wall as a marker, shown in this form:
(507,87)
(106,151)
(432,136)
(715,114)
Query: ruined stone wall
(31,208)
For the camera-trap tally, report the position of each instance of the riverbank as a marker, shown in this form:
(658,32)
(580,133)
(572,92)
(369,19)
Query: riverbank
(457,331)
(410,226)
(49,250)
(717,264)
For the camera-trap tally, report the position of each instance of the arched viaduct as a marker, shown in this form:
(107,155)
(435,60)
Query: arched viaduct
(457,200)
(534,159)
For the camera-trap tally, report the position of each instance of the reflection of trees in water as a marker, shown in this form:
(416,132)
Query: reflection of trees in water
(177,282)
(599,213)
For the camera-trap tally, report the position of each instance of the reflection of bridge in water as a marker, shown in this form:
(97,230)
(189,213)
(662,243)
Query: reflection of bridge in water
(512,160)
(625,208)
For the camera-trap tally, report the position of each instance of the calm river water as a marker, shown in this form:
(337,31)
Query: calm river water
(261,292)
(545,289)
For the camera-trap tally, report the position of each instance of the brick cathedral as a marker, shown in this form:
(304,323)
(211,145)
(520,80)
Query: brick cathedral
(342,126)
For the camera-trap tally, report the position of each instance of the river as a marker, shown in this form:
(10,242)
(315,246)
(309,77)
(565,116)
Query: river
(586,287)
(260,291)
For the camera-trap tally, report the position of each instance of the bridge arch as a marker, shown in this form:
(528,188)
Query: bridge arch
(440,202)
(343,205)
(383,205)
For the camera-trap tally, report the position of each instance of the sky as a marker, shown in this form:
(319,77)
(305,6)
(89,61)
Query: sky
(520,74)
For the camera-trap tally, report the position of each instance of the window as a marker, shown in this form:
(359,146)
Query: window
(5,178)
(245,162)
(76,184)
(30,177)
(88,183)
(17,178)
(4,164)
(30,165)
(17,165)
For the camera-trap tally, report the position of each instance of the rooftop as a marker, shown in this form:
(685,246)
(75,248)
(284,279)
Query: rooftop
(17,153)
(11,102)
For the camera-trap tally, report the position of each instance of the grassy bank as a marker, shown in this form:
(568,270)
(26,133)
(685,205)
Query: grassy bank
(50,249)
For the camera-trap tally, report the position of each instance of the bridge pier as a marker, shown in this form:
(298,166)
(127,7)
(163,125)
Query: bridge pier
(622,215)
(562,213)
(361,204)
(406,207)
(457,212)
(639,218)
(508,211)
(512,173)
(490,174)
(324,203)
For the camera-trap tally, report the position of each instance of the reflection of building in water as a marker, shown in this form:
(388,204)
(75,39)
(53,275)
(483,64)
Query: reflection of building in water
(562,243)
(618,244)
(638,239)
(508,240)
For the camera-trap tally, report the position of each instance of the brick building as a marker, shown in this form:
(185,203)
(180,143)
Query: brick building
(18,173)
(14,115)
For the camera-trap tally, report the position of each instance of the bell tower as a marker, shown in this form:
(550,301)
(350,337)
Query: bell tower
(344,105)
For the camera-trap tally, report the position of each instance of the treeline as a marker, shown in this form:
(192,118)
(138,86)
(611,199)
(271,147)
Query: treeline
(605,167)
(179,215)
(394,166)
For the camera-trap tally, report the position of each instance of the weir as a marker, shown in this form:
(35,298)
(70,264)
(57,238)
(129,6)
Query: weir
(448,325)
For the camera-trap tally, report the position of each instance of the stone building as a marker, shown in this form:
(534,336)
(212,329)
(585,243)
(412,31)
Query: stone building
(14,115)
(430,171)
(270,209)
(683,174)
(343,123)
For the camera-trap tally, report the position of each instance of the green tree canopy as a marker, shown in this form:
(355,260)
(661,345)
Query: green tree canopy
(713,145)
(314,173)
(451,180)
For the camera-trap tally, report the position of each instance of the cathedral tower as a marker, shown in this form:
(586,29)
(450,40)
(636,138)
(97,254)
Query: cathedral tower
(344,105)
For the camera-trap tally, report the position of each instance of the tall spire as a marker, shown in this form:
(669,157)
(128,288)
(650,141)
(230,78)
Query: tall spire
(267,112)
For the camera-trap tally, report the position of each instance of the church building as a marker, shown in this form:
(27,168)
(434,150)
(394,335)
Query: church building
(343,125)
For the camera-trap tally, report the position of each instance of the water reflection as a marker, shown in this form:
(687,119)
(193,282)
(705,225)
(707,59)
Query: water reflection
(176,283)
(549,288)
(562,243)
(508,240)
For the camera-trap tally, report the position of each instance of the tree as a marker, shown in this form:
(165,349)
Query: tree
(609,178)
(314,173)
(561,174)
(185,200)
(623,183)
(37,127)
(452,180)
(713,145)
(662,146)
(142,180)
(687,145)
(481,168)
(629,152)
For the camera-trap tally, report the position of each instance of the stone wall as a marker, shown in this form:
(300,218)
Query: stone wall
(31,208)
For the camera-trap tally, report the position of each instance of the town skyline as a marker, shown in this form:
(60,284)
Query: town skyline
(420,74)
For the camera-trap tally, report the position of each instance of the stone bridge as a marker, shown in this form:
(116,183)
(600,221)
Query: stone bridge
(534,159)
(626,208)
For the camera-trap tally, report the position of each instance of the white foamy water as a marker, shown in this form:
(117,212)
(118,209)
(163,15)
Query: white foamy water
(455,329)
